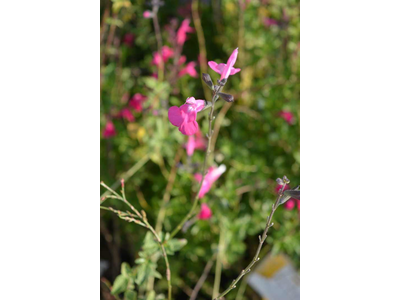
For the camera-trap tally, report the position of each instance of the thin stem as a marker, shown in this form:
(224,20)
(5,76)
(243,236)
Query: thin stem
(218,267)
(167,194)
(144,222)
(202,44)
(262,240)
(208,151)
(164,253)
(159,41)
(202,278)
(128,174)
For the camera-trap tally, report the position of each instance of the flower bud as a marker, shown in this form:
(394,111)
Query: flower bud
(226,97)
(207,79)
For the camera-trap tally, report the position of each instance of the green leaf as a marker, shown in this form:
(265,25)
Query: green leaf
(130,295)
(151,296)
(125,269)
(150,82)
(150,246)
(120,284)
(175,245)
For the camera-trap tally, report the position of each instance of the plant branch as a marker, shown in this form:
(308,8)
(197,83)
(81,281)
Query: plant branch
(159,40)
(262,240)
(217,89)
(202,278)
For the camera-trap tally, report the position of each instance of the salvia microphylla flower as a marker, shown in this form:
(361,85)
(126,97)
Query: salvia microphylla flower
(181,34)
(205,212)
(270,22)
(212,176)
(226,69)
(184,117)
(147,14)
(195,142)
(166,53)
(189,69)
(137,101)
(126,114)
(287,116)
(109,130)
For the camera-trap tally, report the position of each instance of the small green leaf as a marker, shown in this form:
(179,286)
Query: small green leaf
(130,295)
(119,285)
(175,245)
(125,269)
(151,296)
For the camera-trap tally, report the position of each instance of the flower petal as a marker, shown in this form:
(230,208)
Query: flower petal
(234,71)
(189,128)
(216,67)
(175,116)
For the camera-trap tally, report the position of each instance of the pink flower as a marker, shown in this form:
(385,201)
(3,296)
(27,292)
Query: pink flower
(195,142)
(128,39)
(212,175)
(147,14)
(182,60)
(181,34)
(109,130)
(184,117)
(126,114)
(226,69)
(189,69)
(205,212)
(136,102)
(166,53)
(291,203)
(270,22)
(287,116)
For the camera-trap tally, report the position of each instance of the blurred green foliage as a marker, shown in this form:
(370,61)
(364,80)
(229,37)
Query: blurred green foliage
(255,143)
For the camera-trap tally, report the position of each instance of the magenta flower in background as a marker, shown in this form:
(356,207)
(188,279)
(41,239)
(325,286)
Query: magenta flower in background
(270,22)
(287,116)
(182,60)
(109,130)
(226,69)
(189,69)
(126,114)
(184,116)
(291,203)
(166,53)
(212,175)
(196,141)
(147,14)
(205,212)
(181,34)
(137,101)
(128,39)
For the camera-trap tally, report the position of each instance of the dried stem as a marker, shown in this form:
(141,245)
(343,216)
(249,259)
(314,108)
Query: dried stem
(217,89)
(262,240)
(202,278)
(202,43)
(159,40)
(127,216)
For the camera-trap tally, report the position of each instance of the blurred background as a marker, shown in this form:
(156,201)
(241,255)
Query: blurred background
(257,137)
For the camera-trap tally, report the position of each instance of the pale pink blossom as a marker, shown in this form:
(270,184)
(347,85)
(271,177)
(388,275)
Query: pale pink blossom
(196,141)
(212,175)
(147,14)
(109,130)
(287,116)
(189,69)
(205,212)
(184,116)
(137,101)
(126,114)
(182,60)
(181,34)
(226,69)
